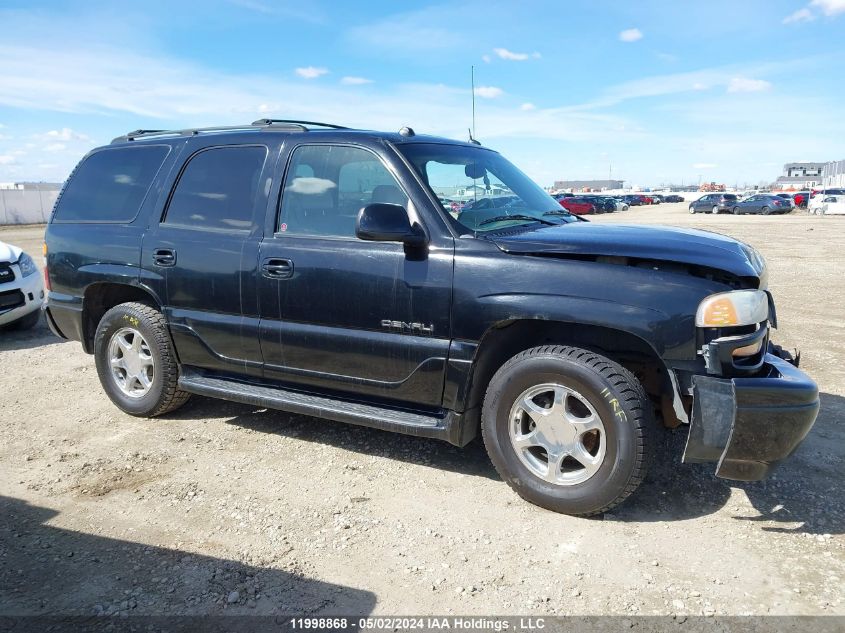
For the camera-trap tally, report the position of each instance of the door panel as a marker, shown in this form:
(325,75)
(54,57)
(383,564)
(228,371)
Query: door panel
(205,249)
(339,314)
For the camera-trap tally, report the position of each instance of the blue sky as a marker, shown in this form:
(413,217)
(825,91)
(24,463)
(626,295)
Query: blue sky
(657,91)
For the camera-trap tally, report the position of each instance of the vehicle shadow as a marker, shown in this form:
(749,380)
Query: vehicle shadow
(51,571)
(38,336)
(470,460)
(804,495)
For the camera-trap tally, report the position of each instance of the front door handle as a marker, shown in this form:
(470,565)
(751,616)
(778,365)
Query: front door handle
(276,268)
(164,257)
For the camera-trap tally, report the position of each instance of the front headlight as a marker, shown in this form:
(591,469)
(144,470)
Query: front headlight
(739,307)
(26,265)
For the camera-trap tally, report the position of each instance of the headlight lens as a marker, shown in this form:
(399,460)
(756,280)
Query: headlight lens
(26,265)
(726,309)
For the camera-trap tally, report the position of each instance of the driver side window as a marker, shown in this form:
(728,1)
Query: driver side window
(326,186)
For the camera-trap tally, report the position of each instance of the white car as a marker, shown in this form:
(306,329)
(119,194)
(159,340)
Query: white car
(827,205)
(621,205)
(21,289)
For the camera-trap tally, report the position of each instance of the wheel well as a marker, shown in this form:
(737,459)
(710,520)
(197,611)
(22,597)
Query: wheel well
(99,298)
(501,343)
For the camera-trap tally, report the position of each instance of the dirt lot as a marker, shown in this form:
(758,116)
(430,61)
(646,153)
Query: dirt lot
(223,508)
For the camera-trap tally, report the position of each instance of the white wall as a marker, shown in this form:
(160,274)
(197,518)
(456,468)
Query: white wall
(26,206)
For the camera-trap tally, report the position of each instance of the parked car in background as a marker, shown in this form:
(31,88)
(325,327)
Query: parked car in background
(789,199)
(634,199)
(656,198)
(801,198)
(621,205)
(762,203)
(828,205)
(674,198)
(834,191)
(576,206)
(21,289)
(602,204)
(714,203)
(647,199)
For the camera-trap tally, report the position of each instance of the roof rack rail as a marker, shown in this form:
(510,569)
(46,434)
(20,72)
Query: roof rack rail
(298,122)
(270,124)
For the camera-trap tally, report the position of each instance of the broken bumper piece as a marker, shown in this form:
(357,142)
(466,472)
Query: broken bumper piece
(748,425)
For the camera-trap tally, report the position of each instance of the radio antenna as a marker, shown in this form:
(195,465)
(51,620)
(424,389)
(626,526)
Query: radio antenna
(472,83)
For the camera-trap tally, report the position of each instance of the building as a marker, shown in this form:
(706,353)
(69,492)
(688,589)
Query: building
(797,176)
(833,174)
(589,185)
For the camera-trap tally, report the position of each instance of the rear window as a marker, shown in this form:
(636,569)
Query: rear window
(110,185)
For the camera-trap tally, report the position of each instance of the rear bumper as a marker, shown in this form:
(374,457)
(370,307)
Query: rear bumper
(64,316)
(748,425)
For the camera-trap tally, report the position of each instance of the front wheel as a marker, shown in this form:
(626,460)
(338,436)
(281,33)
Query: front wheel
(736,210)
(568,429)
(766,210)
(136,361)
(691,209)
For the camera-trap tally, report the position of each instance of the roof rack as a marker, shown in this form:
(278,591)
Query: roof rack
(287,125)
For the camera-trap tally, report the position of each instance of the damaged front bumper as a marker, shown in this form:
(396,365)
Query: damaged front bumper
(749,424)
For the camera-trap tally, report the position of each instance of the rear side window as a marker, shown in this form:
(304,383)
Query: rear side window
(110,185)
(729,196)
(217,189)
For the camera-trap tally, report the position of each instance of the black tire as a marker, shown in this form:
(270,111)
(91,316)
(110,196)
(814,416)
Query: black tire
(714,210)
(691,209)
(163,395)
(736,211)
(765,211)
(616,396)
(26,322)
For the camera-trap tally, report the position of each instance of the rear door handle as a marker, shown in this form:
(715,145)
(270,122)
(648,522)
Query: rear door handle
(276,268)
(164,257)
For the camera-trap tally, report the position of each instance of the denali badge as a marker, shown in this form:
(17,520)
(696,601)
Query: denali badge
(403,326)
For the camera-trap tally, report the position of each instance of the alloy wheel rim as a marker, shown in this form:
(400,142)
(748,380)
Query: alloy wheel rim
(557,434)
(131,362)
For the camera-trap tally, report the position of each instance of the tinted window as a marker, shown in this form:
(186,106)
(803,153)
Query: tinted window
(327,185)
(110,185)
(729,196)
(217,189)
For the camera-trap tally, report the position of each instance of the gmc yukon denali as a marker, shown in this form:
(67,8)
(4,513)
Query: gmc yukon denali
(311,268)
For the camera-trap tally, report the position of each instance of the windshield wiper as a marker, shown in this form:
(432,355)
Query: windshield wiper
(504,218)
(557,213)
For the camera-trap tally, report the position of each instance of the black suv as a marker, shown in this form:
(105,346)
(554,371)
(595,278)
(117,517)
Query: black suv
(714,203)
(312,269)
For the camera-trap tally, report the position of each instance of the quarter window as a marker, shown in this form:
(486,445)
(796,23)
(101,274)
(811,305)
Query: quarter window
(217,189)
(327,185)
(110,185)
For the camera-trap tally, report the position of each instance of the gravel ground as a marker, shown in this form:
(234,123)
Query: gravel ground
(224,508)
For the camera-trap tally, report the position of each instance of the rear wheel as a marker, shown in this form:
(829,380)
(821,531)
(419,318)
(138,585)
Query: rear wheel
(568,429)
(691,209)
(766,211)
(136,362)
(714,210)
(736,211)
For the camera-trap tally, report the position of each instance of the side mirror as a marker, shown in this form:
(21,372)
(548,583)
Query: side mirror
(384,222)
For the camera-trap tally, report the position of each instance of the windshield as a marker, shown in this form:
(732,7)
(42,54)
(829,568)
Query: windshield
(481,190)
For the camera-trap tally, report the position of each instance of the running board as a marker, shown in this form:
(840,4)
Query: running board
(447,426)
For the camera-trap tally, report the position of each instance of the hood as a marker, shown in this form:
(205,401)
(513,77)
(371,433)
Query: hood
(9,253)
(662,243)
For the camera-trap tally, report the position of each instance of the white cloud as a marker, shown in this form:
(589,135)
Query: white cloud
(488,92)
(527,107)
(486,59)
(311,72)
(630,35)
(55,147)
(8,159)
(744,84)
(704,166)
(801,15)
(829,7)
(517,57)
(355,81)
(65,134)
